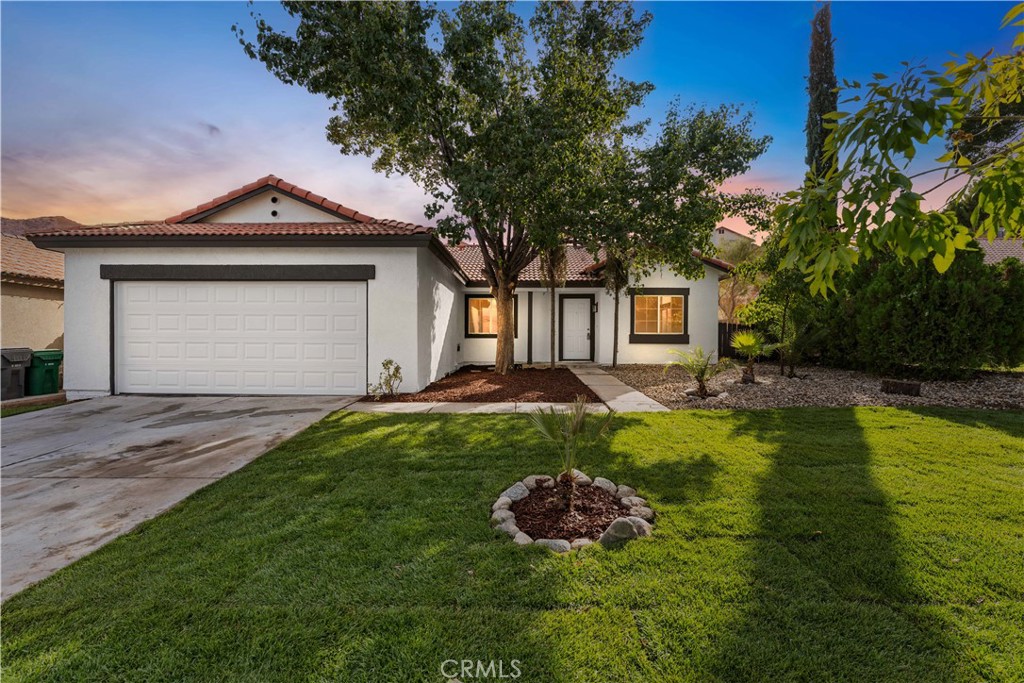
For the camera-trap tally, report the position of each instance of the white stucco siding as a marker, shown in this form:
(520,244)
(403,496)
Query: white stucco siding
(439,327)
(702,319)
(391,301)
(260,208)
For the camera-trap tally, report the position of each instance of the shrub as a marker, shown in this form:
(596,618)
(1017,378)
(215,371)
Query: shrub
(569,431)
(751,345)
(900,318)
(388,382)
(698,365)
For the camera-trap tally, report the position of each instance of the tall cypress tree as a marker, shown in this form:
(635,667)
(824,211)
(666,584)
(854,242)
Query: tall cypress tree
(821,86)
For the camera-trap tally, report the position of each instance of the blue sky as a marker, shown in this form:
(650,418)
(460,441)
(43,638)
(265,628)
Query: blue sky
(126,111)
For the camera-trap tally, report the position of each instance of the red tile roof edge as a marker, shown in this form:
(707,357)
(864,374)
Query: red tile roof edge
(282,185)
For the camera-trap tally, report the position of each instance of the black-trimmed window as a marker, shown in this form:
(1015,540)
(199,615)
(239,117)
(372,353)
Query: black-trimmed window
(659,316)
(482,316)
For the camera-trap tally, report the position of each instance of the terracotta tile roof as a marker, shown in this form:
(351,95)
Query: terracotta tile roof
(115,230)
(999,250)
(20,226)
(283,186)
(582,267)
(23,262)
(471,261)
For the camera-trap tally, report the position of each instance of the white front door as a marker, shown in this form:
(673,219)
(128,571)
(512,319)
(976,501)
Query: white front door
(240,337)
(576,329)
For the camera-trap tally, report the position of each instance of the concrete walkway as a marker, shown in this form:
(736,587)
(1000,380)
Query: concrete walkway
(616,394)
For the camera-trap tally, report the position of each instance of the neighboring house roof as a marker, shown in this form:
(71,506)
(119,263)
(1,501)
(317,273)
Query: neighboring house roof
(1000,250)
(22,261)
(581,267)
(265,184)
(722,228)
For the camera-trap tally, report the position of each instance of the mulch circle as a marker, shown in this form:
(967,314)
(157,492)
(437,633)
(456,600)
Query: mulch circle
(476,384)
(543,513)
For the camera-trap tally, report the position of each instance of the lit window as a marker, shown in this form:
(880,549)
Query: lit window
(658,314)
(483,316)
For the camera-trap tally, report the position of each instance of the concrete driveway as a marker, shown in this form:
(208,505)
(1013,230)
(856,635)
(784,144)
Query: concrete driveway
(74,477)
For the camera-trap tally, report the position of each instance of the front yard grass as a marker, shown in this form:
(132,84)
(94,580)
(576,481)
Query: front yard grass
(860,544)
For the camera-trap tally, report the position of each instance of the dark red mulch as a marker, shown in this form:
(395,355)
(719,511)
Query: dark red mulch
(473,384)
(543,514)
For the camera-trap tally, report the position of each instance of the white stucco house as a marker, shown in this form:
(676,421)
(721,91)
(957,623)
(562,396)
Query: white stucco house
(271,289)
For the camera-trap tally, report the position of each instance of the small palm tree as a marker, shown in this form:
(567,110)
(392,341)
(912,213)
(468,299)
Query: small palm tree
(569,432)
(699,366)
(751,345)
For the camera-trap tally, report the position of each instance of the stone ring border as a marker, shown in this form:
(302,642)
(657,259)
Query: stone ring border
(635,524)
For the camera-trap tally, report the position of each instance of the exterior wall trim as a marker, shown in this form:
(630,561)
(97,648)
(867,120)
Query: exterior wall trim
(312,273)
(561,323)
(683,338)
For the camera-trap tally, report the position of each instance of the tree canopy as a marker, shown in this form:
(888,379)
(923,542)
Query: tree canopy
(882,199)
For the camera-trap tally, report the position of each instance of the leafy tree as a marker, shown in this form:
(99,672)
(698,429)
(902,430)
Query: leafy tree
(494,132)
(657,205)
(552,276)
(881,199)
(824,96)
(741,287)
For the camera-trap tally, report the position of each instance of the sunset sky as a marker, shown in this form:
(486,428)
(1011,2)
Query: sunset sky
(128,111)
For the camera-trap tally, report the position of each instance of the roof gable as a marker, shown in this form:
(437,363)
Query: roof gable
(225,207)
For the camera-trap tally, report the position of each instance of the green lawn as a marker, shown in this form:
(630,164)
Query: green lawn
(18,410)
(804,544)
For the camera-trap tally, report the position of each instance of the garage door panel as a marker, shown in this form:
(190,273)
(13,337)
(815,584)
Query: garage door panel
(237,338)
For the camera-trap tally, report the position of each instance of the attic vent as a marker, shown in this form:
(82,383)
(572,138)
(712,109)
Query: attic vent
(273,200)
(274,213)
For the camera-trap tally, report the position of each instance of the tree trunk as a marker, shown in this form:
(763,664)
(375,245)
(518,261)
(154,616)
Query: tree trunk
(504,298)
(782,337)
(551,333)
(615,337)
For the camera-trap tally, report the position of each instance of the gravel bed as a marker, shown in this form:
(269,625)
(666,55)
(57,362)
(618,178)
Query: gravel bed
(820,387)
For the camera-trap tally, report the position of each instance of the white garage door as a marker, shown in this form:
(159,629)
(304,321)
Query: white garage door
(240,337)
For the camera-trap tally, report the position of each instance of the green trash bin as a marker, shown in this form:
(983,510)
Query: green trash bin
(43,373)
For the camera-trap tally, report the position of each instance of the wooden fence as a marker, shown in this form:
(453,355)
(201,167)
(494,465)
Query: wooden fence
(725,332)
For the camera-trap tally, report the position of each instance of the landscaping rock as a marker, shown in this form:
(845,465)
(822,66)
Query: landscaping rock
(542,480)
(509,527)
(618,532)
(502,516)
(580,543)
(581,479)
(642,512)
(606,484)
(724,394)
(633,502)
(522,539)
(516,491)
(640,526)
(556,544)
(625,491)
(502,503)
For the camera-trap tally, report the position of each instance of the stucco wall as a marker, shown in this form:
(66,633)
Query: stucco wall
(32,317)
(440,331)
(258,210)
(702,323)
(703,320)
(392,303)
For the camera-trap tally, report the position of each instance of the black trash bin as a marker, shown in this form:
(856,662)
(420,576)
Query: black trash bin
(14,363)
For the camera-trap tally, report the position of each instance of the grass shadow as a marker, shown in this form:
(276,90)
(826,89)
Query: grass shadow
(828,594)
